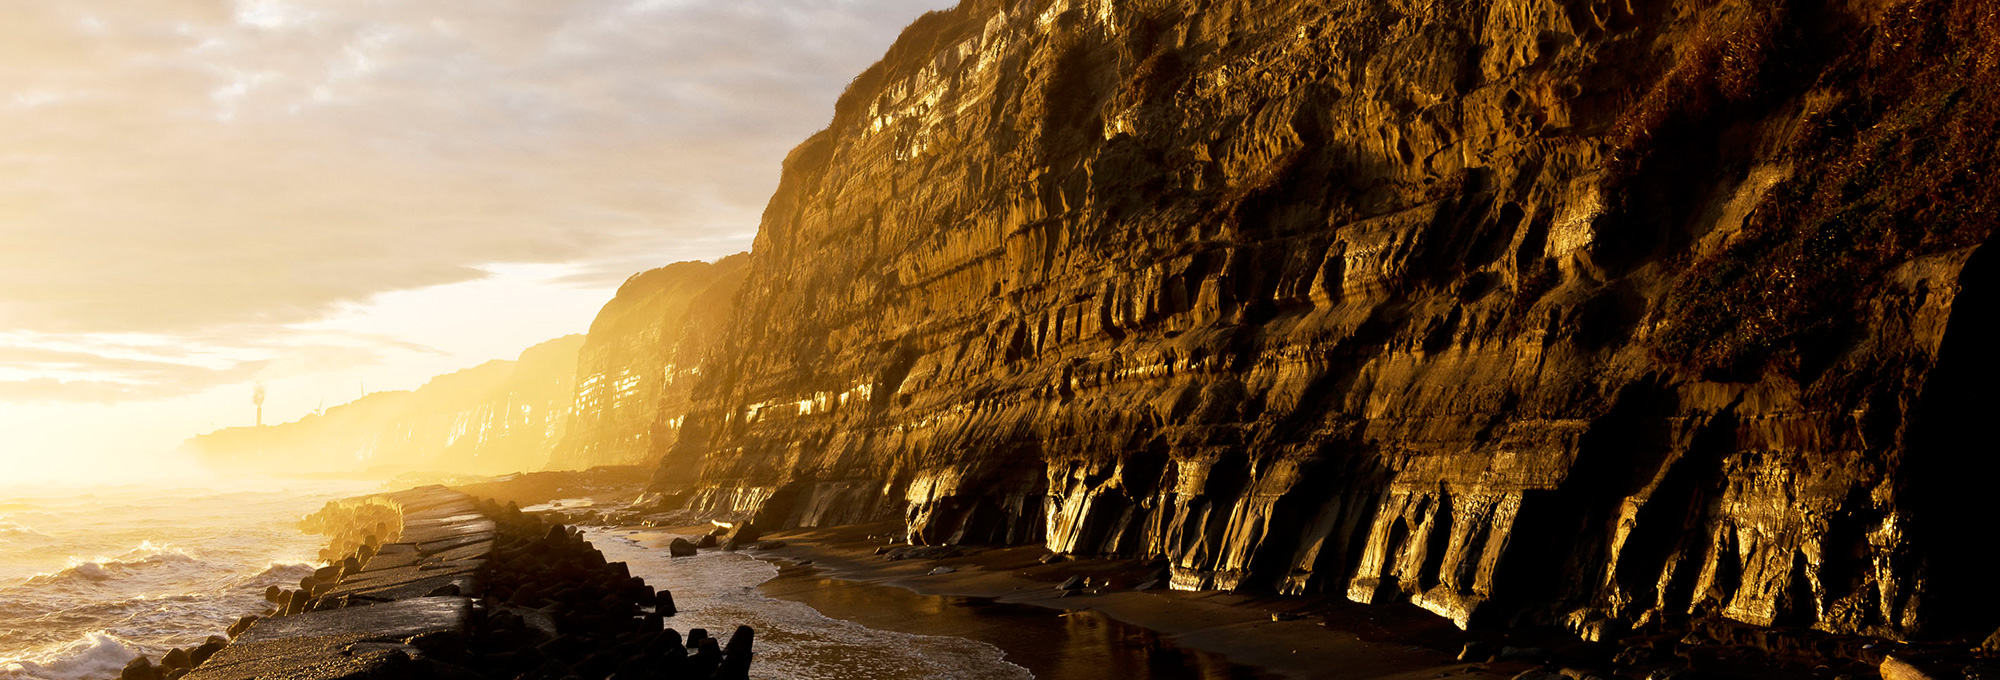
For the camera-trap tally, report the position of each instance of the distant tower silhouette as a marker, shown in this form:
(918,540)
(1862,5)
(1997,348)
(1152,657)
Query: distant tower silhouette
(257,398)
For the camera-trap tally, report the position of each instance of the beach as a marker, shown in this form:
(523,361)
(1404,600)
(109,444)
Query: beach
(1009,598)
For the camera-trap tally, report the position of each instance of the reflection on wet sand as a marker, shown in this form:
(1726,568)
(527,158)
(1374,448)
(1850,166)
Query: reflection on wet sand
(1054,644)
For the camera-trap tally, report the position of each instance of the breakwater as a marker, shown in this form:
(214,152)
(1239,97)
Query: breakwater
(431,582)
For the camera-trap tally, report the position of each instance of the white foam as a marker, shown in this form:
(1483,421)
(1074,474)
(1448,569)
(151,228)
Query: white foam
(152,568)
(275,573)
(147,557)
(95,655)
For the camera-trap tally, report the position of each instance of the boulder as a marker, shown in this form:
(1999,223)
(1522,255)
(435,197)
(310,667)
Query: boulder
(1073,583)
(681,548)
(743,534)
(139,669)
(207,649)
(176,658)
(242,624)
(1897,668)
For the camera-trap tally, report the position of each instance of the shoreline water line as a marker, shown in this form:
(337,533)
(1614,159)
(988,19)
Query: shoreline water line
(95,576)
(794,640)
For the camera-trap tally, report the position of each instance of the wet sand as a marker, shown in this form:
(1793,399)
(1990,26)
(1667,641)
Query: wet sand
(1049,643)
(1007,598)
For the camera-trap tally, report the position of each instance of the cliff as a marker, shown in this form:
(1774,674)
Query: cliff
(1574,311)
(498,417)
(636,369)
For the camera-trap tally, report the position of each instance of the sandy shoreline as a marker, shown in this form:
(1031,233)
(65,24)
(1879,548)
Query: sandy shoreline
(1005,596)
(1401,645)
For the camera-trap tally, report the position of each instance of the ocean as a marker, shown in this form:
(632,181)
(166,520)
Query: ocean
(91,577)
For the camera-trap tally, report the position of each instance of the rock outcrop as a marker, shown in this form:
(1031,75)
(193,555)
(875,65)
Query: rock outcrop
(637,367)
(1574,311)
(497,417)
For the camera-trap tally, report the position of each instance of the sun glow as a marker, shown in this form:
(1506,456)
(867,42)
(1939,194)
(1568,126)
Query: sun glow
(393,341)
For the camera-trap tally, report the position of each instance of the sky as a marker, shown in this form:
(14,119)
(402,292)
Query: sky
(322,196)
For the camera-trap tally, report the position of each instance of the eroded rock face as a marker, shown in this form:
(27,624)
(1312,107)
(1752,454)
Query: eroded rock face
(1588,312)
(497,417)
(638,364)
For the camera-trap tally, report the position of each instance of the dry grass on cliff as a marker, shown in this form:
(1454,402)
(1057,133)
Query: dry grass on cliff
(1722,69)
(1157,67)
(1900,166)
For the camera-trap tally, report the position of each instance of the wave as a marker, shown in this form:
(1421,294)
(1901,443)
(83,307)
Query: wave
(97,654)
(11,530)
(148,558)
(275,573)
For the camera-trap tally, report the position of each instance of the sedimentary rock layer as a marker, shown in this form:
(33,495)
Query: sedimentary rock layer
(498,417)
(638,365)
(1578,311)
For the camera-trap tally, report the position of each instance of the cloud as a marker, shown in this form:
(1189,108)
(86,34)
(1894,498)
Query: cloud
(44,375)
(46,368)
(213,174)
(181,165)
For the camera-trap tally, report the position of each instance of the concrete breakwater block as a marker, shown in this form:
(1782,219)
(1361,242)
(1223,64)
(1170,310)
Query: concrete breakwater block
(336,643)
(429,583)
(397,620)
(400,581)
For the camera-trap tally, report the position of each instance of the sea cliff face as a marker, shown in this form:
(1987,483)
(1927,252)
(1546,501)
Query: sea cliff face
(498,417)
(1580,312)
(638,365)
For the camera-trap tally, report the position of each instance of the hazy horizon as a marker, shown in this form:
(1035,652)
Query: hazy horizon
(335,199)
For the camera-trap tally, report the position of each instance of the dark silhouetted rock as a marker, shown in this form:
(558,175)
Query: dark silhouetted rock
(207,649)
(736,656)
(140,669)
(242,624)
(1898,668)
